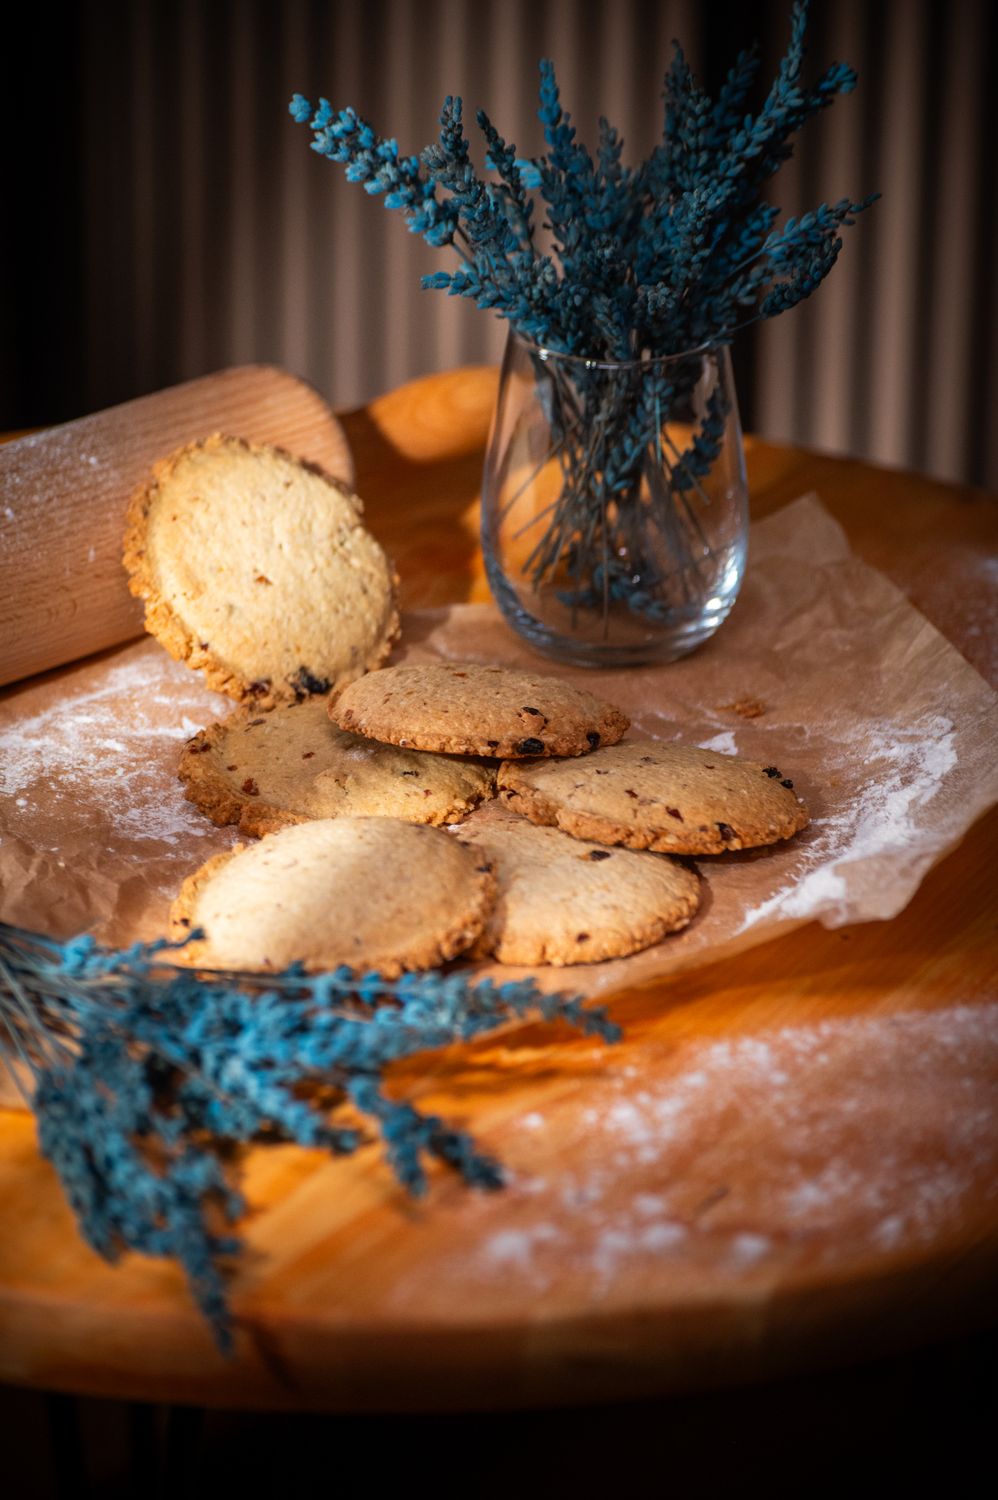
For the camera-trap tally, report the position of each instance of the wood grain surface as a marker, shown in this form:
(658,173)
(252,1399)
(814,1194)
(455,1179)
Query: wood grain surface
(63,494)
(789,1162)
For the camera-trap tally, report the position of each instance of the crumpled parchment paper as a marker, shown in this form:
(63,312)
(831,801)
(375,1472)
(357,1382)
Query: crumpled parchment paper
(886,730)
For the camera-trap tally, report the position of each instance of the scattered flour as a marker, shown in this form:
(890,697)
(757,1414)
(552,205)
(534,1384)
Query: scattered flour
(906,775)
(724,743)
(614,1247)
(361,752)
(104,758)
(858,1136)
(648,1204)
(977,605)
(515,1246)
(747,1250)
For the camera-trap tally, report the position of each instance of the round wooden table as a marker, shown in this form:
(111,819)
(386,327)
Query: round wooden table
(823,1105)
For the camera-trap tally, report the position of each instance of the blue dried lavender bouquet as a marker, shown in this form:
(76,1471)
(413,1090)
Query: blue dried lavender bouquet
(144,1076)
(651,265)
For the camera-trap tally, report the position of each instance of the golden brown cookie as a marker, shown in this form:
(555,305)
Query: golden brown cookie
(460,708)
(674,799)
(267,769)
(256,569)
(563,901)
(375,894)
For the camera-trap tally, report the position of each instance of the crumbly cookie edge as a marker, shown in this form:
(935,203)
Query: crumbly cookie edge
(613,725)
(453,941)
(528,802)
(182,908)
(206,787)
(654,930)
(163,622)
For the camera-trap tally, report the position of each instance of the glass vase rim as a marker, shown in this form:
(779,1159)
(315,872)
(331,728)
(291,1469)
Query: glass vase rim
(653,361)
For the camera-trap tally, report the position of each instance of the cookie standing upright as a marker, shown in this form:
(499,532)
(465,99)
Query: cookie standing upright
(317,894)
(674,799)
(256,569)
(468,709)
(267,769)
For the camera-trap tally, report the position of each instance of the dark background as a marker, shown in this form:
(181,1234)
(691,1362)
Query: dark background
(165,217)
(922,1424)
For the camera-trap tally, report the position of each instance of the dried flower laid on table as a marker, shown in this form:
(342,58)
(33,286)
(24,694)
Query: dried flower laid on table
(140,1074)
(670,257)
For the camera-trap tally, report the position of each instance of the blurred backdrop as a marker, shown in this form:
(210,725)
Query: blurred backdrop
(165,217)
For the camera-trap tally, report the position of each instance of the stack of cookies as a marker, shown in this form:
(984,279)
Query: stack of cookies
(410,814)
(561,838)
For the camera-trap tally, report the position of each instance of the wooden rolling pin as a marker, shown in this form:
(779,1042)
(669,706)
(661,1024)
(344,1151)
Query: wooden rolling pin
(63,495)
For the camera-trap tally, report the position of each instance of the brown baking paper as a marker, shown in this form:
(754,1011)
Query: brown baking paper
(887,732)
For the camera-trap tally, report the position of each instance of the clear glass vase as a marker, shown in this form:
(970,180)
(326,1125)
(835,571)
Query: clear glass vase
(614,503)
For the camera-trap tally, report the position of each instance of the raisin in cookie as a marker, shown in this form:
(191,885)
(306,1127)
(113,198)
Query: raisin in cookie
(267,769)
(371,893)
(563,901)
(673,799)
(256,569)
(461,708)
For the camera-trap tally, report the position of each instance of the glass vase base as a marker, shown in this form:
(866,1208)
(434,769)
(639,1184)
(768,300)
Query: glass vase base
(592,645)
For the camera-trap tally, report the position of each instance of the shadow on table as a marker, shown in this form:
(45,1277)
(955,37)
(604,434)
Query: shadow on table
(924,1420)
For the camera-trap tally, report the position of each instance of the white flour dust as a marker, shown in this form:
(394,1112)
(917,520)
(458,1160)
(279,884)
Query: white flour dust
(514,1247)
(905,773)
(723,744)
(108,753)
(851,1137)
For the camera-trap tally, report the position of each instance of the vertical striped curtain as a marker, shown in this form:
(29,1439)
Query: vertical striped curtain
(213,235)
